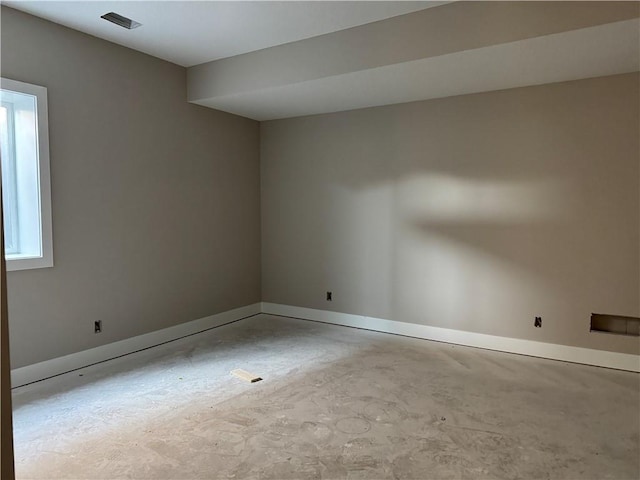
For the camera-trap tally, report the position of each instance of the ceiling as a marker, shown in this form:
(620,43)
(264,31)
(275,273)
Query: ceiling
(269,60)
(192,32)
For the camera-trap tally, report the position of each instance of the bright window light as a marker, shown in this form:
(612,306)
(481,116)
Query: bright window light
(26,190)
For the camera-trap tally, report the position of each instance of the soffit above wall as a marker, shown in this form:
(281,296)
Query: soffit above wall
(591,52)
(454,49)
(273,60)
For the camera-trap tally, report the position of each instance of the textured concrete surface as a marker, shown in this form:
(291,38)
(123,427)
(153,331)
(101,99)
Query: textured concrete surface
(334,403)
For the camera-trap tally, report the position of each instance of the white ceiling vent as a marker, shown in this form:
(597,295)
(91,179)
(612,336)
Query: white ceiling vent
(120,20)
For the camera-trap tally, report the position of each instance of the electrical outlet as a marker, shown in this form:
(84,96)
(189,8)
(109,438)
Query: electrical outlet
(97,326)
(329,295)
(537,322)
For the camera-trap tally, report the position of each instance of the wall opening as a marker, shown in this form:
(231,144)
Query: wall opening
(616,324)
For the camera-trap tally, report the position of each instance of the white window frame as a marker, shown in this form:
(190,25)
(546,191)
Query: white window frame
(44,179)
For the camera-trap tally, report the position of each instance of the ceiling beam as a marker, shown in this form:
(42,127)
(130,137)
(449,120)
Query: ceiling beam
(427,34)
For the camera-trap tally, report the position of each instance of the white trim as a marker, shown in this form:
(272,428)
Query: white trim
(587,356)
(49,368)
(40,371)
(44,177)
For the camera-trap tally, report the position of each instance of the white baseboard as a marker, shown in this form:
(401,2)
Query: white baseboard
(40,371)
(587,356)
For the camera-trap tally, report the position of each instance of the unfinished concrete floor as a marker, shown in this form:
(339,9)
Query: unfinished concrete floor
(335,403)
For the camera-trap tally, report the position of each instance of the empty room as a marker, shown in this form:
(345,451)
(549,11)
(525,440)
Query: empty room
(320,240)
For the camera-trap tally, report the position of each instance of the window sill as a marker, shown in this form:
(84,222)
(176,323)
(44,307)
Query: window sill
(23,262)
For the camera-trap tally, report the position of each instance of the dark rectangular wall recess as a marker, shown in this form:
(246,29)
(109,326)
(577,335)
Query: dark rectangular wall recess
(615,324)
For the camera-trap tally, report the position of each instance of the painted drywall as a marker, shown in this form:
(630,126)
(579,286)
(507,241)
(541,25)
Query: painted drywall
(476,212)
(156,216)
(599,51)
(403,39)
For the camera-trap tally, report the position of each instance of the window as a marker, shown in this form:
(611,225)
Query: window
(26,189)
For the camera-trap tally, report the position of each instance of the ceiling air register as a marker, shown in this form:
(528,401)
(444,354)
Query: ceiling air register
(121,21)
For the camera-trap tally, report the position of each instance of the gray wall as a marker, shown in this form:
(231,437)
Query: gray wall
(475,212)
(156,216)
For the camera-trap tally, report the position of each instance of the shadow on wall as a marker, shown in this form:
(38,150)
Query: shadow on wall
(452,244)
(476,212)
